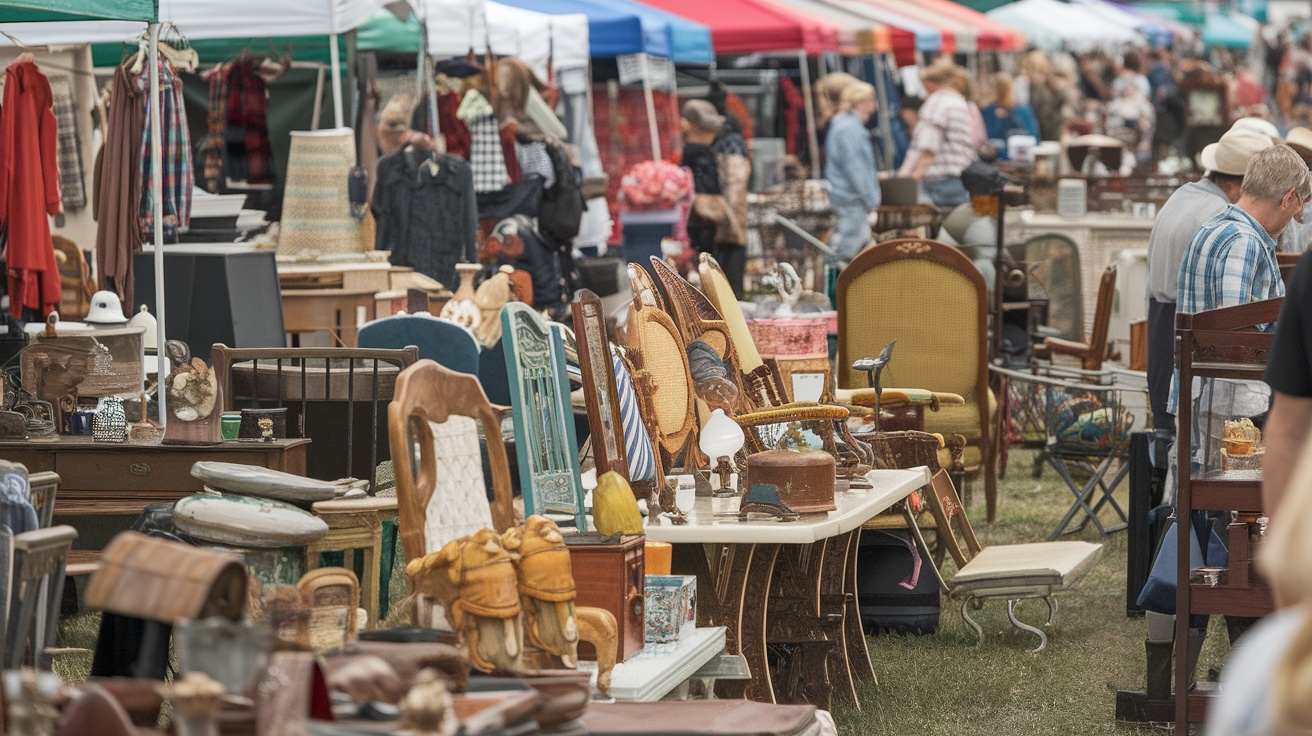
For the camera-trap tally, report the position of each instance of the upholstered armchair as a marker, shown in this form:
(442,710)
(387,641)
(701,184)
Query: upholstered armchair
(932,299)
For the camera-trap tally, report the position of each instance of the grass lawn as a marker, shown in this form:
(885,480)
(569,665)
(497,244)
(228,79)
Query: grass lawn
(949,684)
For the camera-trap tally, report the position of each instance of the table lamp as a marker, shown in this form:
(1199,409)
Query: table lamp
(721,439)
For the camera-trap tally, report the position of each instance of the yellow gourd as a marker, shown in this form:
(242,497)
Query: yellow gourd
(614,508)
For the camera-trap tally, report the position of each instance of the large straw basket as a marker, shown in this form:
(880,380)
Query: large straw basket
(316,210)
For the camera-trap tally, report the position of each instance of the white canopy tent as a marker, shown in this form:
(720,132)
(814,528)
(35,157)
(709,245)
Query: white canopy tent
(209,19)
(1052,24)
(456,26)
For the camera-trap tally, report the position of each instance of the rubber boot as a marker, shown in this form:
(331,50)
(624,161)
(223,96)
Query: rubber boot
(1196,639)
(1160,666)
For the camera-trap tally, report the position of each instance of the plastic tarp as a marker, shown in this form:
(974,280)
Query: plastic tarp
(856,34)
(958,37)
(753,26)
(457,26)
(1155,31)
(610,33)
(210,19)
(1052,24)
(928,37)
(36,11)
(1221,29)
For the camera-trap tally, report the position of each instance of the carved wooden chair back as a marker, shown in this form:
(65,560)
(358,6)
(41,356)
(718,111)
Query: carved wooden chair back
(644,288)
(950,516)
(333,597)
(661,377)
(546,445)
(600,391)
(1102,319)
(74,280)
(36,589)
(45,486)
(441,492)
(449,343)
(335,396)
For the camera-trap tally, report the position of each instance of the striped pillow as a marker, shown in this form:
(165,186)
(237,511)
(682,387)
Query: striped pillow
(637,443)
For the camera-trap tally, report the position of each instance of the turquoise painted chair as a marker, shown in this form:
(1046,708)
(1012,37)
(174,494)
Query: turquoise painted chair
(449,344)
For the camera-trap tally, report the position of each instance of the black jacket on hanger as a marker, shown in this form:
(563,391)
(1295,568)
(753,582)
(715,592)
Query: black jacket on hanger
(428,219)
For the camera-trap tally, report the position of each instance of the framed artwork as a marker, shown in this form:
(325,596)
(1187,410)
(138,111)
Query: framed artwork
(599,390)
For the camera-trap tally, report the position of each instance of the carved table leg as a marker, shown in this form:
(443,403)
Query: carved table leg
(858,653)
(733,585)
(801,636)
(835,602)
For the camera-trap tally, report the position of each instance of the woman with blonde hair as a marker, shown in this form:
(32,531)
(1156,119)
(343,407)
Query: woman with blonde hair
(1266,686)
(1004,117)
(850,170)
(944,141)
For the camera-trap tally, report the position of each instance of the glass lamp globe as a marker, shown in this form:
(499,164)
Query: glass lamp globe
(721,437)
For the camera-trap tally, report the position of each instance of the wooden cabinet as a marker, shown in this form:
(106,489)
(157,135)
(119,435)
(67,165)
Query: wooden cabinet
(1220,343)
(98,478)
(611,576)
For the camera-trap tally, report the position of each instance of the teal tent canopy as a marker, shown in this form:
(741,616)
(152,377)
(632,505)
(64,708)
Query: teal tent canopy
(385,32)
(33,11)
(1222,30)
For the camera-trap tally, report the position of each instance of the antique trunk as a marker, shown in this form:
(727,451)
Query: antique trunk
(611,576)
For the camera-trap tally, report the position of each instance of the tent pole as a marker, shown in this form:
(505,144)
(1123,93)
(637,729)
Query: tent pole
(812,139)
(651,110)
(335,58)
(157,210)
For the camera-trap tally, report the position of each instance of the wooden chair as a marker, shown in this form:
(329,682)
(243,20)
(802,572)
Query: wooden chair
(332,595)
(449,343)
(36,589)
(545,442)
(335,396)
(1052,268)
(933,301)
(74,279)
(1091,353)
(443,496)
(1010,571)
(600,387)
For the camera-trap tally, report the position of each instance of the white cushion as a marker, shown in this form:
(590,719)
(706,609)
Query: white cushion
(1016,567)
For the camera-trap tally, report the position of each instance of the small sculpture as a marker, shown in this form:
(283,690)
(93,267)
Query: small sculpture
(193,399)
(614,507)
(266,429)
(474,579)
(427,704)
(783,279)
(546,591)
(196,698)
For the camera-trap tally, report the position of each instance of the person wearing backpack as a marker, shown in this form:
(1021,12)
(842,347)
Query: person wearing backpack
(1004,117)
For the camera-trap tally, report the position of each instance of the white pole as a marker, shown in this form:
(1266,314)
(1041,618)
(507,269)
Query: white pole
(812,141)
(335,58)
(651,111)
(157,207)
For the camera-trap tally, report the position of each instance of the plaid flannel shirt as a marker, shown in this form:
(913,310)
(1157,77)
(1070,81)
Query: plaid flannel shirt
(71,189)
(945,129)
(176,148)
(1231,261)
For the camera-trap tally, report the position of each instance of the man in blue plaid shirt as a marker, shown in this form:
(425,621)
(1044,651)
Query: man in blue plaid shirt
(1232,261)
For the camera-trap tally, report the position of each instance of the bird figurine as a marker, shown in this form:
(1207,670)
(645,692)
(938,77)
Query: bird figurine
(614,507)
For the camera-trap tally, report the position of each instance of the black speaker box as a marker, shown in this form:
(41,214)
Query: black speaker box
(883,562)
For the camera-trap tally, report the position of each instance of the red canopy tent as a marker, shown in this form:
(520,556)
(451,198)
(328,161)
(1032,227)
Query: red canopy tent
(751,26)
(993,36)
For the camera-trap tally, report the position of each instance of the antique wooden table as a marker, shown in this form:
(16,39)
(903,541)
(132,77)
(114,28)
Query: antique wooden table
(336,311)
(108,479)
(786,591)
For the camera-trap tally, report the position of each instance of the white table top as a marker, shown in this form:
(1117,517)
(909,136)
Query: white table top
(854,509)
(659,668)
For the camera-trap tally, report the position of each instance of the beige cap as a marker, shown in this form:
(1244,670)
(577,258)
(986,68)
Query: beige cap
(1300,139)
(1231,154)
(702,115)
(1257,125)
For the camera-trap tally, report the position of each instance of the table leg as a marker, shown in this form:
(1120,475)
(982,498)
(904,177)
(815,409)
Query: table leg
(733,586)
(801,635)
(371,583)
(835,601)
(858,652)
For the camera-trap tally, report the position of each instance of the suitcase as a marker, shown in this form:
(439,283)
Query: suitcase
(883,562)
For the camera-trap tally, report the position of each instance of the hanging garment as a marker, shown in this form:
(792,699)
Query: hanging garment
(534,159)
(453,129)
(513,172)
(426,212)
(486,157)
(71,188)
(248,157)
(794,105)
(209,154)
(118,189)
(178,178)
(29,189)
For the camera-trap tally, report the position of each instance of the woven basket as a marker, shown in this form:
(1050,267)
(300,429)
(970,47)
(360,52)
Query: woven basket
(316,211)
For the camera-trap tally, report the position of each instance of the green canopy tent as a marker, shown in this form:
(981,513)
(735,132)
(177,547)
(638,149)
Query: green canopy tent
(146,12)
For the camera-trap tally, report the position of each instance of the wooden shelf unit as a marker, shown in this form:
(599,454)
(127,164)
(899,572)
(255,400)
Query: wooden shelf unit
(1219,343)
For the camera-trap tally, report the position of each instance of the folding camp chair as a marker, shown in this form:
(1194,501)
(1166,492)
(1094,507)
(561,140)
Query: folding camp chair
(1085,429)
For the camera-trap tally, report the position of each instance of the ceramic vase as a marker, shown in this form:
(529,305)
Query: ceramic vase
(110,423)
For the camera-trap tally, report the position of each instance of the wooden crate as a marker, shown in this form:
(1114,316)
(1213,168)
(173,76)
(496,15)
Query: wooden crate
(611,576)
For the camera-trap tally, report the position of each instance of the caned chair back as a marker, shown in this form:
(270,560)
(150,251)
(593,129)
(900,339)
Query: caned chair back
(545,444)
(441,493)
(931,299)
(332,595)
(661,376)
(720,294)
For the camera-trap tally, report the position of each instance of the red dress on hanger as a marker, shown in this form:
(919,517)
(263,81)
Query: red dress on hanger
(29,188)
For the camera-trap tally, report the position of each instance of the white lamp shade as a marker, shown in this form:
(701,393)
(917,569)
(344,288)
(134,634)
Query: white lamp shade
(721,437)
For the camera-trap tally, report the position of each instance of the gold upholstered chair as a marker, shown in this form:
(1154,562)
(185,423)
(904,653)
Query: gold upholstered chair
(931,299)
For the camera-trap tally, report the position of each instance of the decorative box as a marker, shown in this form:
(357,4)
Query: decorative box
(671,607)
(791,337)
(611,576)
